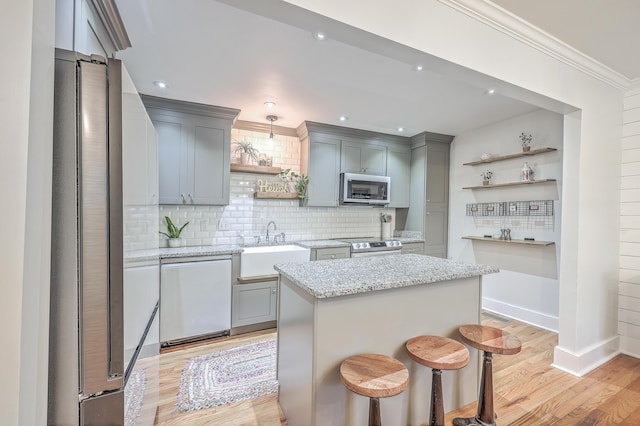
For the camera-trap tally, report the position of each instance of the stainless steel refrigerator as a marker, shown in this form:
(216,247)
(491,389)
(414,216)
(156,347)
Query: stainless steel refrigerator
(88,363)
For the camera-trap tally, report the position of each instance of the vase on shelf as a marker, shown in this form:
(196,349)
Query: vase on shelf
(526,148)
(244,158)
(485,183)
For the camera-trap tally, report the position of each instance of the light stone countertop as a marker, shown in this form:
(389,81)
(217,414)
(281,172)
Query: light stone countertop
(215,250)
(340,277)
(316,244)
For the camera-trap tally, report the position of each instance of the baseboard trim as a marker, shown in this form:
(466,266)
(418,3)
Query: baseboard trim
(630,346)
(519,313)
(587,360)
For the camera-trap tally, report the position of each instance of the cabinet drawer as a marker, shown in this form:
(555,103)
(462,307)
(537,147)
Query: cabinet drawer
(413,248)
(331,253)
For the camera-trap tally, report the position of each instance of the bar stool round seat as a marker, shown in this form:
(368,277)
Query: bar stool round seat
(490,340)
(439,353)
(374,376)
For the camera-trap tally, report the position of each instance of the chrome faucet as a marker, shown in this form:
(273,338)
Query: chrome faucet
(274,228)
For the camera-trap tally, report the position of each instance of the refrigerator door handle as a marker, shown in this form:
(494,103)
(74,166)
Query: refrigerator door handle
(116,278)
(95,293)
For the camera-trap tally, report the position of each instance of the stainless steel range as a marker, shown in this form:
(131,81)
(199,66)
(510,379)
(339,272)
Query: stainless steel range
(369,246)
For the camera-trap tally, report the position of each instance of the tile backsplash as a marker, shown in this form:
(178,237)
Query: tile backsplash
(246,217)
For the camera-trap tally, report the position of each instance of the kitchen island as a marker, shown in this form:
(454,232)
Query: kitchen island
(330,310)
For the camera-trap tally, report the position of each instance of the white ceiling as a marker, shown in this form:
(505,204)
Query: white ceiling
(606,30)
(210,52)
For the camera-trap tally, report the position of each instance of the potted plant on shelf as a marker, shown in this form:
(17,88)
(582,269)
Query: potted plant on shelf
(486,177)
(526,141)
(173,232)
(246,150)
(296,182)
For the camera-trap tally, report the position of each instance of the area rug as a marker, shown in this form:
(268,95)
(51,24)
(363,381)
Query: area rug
(227,376)
(133,396)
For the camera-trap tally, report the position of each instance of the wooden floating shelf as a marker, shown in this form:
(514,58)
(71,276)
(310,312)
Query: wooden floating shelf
(498,185)
(276,195)
(496,240)
(250,168)
(510,156)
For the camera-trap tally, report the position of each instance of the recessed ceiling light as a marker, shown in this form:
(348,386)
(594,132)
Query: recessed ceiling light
(401,129)
(418,67)
(161,84)
(491,91)
(343,118)
(269,104)
(319,36)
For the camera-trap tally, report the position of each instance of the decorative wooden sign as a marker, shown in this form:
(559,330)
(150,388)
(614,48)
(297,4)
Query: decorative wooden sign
(266,186)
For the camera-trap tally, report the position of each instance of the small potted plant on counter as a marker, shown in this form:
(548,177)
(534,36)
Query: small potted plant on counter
(486,177)
(246,150)
(173,232)
(526,141)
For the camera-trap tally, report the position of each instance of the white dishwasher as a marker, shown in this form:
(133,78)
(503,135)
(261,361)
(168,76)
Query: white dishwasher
(195,299)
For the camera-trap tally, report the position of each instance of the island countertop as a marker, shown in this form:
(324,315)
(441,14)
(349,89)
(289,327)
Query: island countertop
(340,277)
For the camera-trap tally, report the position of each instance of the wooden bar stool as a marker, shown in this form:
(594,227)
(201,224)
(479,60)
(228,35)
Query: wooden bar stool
(438,353)
(375,376)
(490,340)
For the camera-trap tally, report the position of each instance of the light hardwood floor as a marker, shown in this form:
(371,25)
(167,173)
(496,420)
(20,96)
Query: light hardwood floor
(528,391)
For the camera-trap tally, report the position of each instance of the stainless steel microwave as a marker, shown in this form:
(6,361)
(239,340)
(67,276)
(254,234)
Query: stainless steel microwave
(364,189)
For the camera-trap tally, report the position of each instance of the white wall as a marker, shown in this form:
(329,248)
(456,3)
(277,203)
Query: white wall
(629,290)
(527,287)
(591,204)
(26,115)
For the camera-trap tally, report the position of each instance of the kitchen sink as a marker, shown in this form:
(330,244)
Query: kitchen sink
(256,261)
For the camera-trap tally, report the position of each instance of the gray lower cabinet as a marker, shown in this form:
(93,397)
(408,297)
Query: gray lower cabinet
(412,248)
(254,303)
(331,253)
(194,150)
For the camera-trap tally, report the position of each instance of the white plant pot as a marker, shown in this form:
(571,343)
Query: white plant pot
(175,242)
(245,158)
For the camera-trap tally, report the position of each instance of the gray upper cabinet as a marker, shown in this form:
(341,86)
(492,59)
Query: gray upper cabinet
(320,160)
(399,170)
(194,150)
(363,157)
(329,150)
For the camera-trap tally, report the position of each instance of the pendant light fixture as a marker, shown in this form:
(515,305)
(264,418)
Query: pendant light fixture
(271,118)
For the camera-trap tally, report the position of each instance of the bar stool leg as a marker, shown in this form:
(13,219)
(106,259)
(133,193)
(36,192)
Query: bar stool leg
(486,414)
(374,412)
(437,402)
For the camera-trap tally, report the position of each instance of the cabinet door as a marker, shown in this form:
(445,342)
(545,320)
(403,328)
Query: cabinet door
(332,253)
(436,228)
(437,174)
(324,171)
(399,170)
(361,157)
(210,167)
(374,160)
(171,159)
(254,303)
(152,163)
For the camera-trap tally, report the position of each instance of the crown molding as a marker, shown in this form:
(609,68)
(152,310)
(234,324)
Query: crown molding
(634,89)
(264,128)
(185,107)
(512,25)
(110,17)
